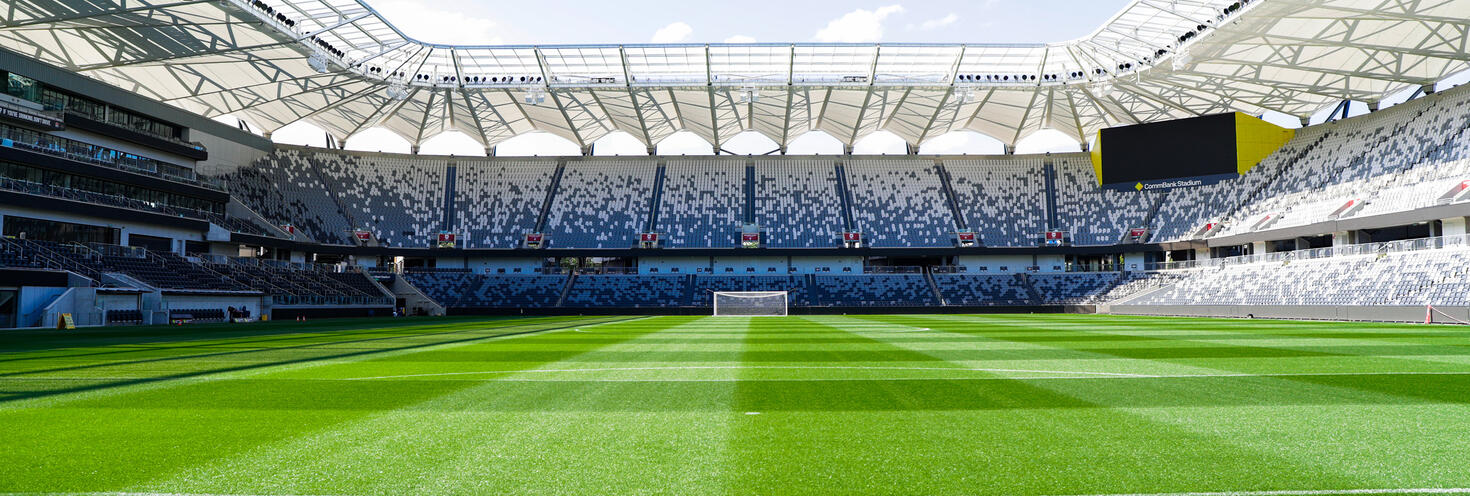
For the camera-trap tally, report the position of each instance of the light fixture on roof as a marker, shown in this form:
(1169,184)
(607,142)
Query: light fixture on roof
(1182,60)
(318,62)
(748,94)
(964,95)
(535,96)
(398,91)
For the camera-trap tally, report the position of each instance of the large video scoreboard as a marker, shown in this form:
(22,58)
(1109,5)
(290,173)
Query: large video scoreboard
(1184,152)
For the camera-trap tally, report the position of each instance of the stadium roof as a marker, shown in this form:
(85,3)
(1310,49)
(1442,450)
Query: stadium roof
(341,66)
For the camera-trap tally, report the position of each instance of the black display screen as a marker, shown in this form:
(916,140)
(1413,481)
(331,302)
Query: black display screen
(1200,146)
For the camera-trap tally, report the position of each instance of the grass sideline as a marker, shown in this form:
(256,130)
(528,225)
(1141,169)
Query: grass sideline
(882,404)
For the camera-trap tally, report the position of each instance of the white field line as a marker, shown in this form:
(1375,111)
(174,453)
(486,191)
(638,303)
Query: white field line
(1310,492)
(1056,374)
(737,367)
(579,329)
(136,494)
(1302,492)
(247,374)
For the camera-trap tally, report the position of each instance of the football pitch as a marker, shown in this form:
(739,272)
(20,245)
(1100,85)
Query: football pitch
(883,404)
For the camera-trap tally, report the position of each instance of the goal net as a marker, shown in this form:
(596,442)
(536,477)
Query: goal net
(750,303)
(1434,315)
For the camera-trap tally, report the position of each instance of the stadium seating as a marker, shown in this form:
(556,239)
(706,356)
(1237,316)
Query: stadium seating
(287,283)
(601,204)
(704,285)
(497,203)
(464,290)
(459,289)
(124,317)
(1002,199)
(798,203)
(285,188)
(1392,161)
(1073,288)
(702,203)
(627,291)
(197,315)
(899,203)
(982,290)
(1436,277)
(872,290)
(1094,215)
(399,200)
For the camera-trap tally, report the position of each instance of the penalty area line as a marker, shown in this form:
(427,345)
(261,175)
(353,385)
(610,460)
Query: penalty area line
(1307,492)
(579,329)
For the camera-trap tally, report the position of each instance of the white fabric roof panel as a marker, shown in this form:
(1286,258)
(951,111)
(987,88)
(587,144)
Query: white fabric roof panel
(338,64)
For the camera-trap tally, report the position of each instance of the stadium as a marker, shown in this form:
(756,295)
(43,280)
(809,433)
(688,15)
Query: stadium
(1247,272)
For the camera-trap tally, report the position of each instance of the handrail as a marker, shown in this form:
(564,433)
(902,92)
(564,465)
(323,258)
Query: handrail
(1386,247)
(15,137)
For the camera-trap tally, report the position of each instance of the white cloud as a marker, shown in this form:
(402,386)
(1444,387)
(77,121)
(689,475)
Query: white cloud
(420,21)
(933,24)
(858,26)
(674,33)
(740,38)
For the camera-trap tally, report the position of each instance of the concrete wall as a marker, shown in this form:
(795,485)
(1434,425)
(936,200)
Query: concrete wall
(32,301)
(814,265)
(492,265)
(743,264)
(1348,313)
(666,265)
(1007,264)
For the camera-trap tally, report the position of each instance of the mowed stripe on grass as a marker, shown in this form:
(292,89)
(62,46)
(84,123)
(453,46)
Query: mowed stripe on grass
(893,404)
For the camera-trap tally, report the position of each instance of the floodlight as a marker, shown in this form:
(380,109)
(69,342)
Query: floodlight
(318,62)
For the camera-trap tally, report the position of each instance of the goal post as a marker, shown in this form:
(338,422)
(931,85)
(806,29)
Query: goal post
(1434,315)
(750,304)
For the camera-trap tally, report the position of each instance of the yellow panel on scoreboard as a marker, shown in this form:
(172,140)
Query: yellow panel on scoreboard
(1097,157)
(1255,140)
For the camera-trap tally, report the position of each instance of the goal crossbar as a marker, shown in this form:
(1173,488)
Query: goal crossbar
(750,303)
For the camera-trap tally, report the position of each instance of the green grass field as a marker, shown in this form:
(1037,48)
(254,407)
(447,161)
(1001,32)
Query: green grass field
(951,404)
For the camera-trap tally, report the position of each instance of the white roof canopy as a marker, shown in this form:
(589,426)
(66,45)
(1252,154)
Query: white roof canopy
(341,66)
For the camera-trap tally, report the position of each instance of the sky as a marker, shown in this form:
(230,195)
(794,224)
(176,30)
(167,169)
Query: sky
(483,22)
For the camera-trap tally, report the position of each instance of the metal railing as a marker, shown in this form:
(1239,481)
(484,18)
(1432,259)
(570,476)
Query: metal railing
(1400,246)
(893,269)
(25,139)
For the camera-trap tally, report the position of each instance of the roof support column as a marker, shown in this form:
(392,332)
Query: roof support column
(489,151)
(588,149)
